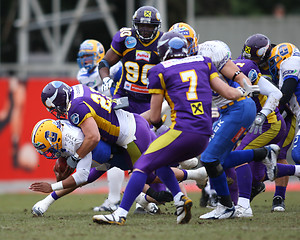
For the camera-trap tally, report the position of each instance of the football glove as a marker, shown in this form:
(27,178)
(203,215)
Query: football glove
(250,90)
(256,126)
(107,84)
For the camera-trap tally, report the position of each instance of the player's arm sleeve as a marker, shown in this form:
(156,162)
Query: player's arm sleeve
(156,81)
(273,93)
(287,89)
(83,169)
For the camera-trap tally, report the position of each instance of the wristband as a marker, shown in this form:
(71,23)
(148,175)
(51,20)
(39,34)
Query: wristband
(157,125)
(235,74)
(76,156)
(57,186)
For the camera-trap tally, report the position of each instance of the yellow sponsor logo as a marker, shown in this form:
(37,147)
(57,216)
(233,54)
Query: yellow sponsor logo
(147,13)
(247,49)
(197,108)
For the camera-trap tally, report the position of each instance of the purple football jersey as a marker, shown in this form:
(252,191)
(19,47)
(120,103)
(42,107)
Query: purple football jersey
(137,59)
(86,102)
(185,84)
(252,71)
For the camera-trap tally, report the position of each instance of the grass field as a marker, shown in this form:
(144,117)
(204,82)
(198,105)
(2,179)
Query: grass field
(71,218)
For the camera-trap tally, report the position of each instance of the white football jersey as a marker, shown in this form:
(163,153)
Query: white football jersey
(290,67)
(220,54)
(92,80)
(72,138)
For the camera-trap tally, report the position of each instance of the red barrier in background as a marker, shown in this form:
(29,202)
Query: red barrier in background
(20,109)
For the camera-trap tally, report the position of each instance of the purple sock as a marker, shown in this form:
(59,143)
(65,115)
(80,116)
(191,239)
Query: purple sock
(285,170)
(185,174)
(167,176)
(280,191)
(94,175)
(158,187)
(133,189)
(244,179)
(233,187)
(54,195)
(258,172)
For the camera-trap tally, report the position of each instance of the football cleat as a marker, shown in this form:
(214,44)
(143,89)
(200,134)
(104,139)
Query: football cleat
(278,204)
(183,210)
(107,206)
(39,209)
(257,190)
(271,161)
(221,212)
(202,177)
(149,207)
(242,212)
(189,164)
(110,219)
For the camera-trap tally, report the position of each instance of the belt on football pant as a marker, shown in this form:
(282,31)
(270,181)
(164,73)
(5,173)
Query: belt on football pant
(233,102)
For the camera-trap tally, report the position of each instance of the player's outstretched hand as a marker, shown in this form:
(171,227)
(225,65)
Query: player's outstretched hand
(41,187)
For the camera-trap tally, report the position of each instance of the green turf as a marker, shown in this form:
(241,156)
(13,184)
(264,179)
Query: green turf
(71,218)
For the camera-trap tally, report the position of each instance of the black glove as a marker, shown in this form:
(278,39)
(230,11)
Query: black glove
(257,124)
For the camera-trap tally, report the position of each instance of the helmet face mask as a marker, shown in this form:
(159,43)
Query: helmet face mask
(189,33)
(55,96)
(278,54)
(257,47)
(146,22)
(46,137)
(172,45)
(91,52)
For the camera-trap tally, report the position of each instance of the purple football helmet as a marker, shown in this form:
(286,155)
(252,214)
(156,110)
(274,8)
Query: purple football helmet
(146,22)
(172,45)
(257,47)
(55,96)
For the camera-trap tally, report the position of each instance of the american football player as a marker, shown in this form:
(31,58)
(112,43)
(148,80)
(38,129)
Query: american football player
(227,130)
(136,47)
(90,53)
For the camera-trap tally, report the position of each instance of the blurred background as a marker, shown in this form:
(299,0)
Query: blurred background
(40,40)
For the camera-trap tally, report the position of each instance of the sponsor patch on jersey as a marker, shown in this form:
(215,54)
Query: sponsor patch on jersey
(75,118)
(142,55)
(130,42)
(252,75)
(289,72)
(197,108)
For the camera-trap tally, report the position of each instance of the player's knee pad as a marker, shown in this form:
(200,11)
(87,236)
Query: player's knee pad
(213,169)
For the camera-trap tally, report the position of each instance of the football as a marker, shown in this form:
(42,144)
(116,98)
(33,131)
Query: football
(60,164)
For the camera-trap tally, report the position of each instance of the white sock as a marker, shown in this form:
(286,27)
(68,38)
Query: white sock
(177,197)
(49,199)
(115,178)
(196,173)
(121,212)
(297,171)
(244,202)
